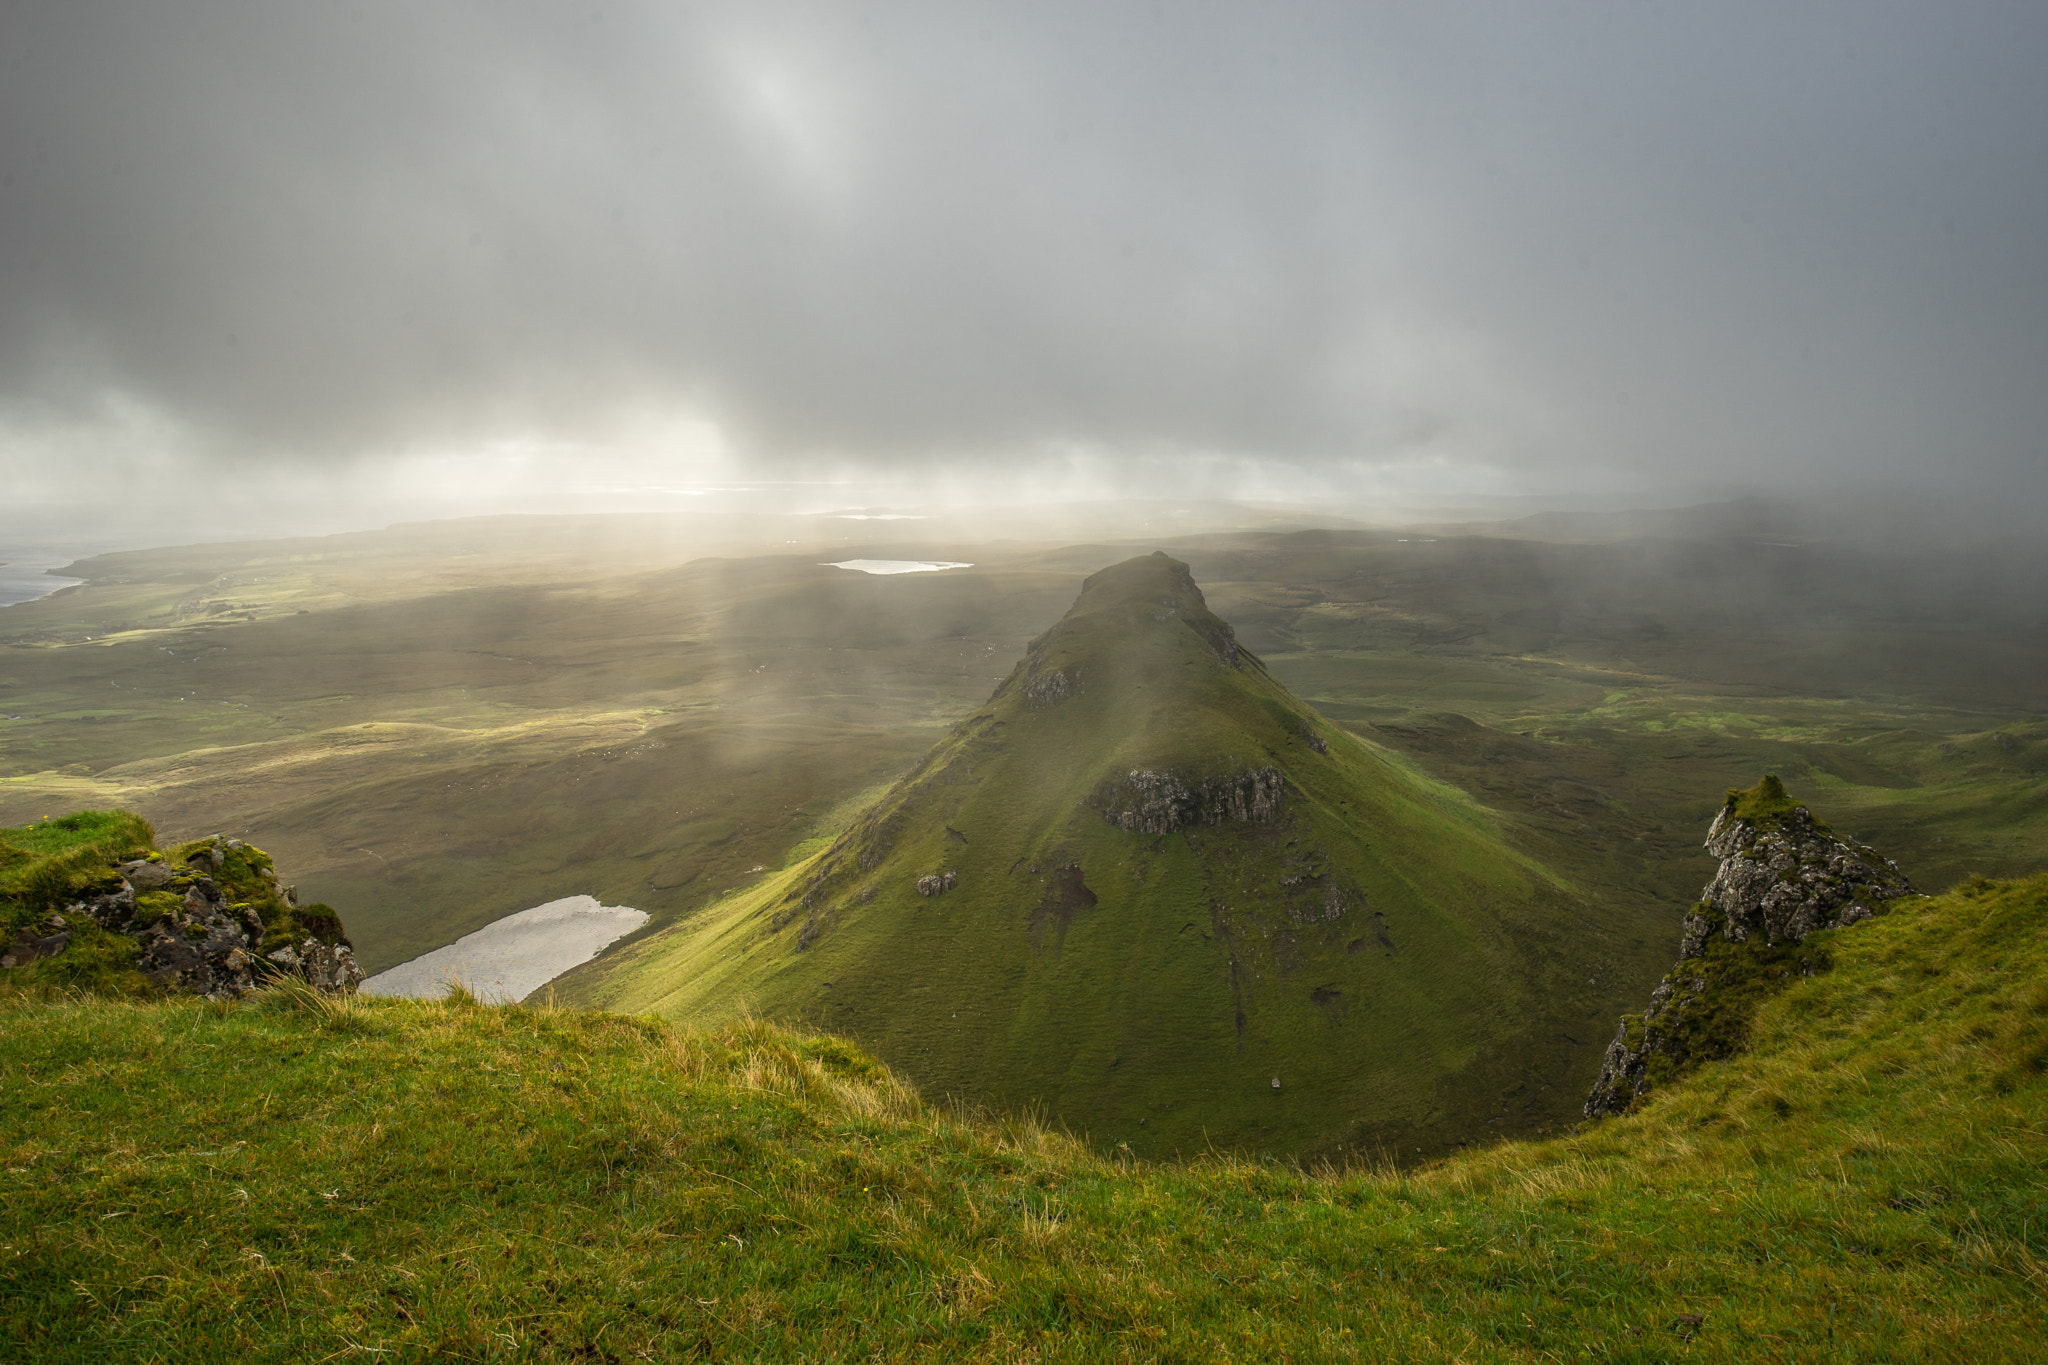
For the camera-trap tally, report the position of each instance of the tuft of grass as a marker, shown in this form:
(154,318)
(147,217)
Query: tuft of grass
(1767,804)
(295,997)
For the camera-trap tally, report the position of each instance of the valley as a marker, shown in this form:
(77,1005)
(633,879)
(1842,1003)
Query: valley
(439,725)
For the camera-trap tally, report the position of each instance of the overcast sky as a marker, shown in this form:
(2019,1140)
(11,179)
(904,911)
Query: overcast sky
(1270,249)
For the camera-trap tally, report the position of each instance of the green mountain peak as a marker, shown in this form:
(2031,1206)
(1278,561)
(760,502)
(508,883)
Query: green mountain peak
(1145,889)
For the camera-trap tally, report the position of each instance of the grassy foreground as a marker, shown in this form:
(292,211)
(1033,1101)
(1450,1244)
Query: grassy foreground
(299,1178)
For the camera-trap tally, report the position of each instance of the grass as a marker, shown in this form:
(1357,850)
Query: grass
(299,1179)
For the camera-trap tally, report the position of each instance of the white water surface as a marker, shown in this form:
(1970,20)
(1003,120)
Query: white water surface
(896,565)
(511,958)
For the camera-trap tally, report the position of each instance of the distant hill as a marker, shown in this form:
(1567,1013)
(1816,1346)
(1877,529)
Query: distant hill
(1146,890)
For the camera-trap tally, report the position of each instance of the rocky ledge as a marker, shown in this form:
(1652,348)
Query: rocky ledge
(1784,876)
(1149,802)
(211,919)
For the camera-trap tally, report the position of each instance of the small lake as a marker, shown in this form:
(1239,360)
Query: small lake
(511,958)
(896,565)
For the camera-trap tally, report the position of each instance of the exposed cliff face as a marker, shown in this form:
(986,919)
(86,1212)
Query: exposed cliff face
(1784,875)
(1160,803)
(212,918)
(1050,689)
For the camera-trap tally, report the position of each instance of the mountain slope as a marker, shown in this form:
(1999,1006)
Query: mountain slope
(1143,884)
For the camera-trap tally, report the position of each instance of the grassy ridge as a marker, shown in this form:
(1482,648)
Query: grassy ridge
(297,1178)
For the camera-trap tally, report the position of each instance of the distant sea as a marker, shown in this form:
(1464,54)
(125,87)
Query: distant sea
(29,552)
(23,569)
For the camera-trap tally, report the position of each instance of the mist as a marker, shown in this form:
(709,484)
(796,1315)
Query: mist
(340,266)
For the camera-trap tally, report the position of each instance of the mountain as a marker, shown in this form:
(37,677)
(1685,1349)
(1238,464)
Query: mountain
(1146,891)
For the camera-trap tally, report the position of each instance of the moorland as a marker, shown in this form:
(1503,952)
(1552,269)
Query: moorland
(435,725)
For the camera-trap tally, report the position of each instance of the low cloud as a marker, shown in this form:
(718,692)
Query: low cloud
(1277,251)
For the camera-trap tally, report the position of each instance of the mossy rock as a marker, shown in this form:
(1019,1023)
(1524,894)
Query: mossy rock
(152,907)
(53,864)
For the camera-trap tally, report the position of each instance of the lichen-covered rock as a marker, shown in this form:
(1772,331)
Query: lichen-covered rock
(1149,802)
(937,884)
(144,874)
(326,966)
(1784,876)
(212,947)
(1785,879)
(47,939)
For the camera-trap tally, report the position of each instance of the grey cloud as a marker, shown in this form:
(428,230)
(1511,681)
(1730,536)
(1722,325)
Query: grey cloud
(1680,242)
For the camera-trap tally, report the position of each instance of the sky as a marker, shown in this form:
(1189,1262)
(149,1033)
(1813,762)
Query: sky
(484,254)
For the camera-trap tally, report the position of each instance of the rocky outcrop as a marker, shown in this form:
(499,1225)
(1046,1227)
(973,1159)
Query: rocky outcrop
(1050,689)
(46,939)
(1147,802)
(216,923)
(1784,876)
(1784,879)
(937,884)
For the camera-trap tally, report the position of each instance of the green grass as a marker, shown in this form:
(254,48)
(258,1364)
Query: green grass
(295,1178)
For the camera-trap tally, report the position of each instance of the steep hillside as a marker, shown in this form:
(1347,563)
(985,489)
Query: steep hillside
(298,1177)
(1147,891)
